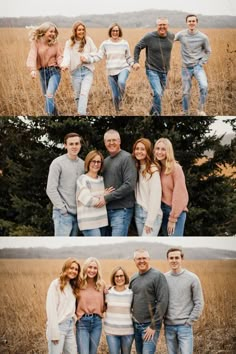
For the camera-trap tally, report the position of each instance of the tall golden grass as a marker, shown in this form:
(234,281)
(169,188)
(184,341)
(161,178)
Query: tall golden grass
(24,284)
(20,95)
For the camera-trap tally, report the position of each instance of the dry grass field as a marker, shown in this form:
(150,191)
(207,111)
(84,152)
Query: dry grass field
(24,284)
(19,95)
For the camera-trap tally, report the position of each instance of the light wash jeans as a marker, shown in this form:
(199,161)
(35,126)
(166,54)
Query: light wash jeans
(179,339)
(179,226)
(119,221)
(119,344)
(67,342)
(140,216)
(157,82)
(50,78)
(117,84)
(145,347)
(94,232)
(64,224)
(81,79)
(188,73)
(88,333)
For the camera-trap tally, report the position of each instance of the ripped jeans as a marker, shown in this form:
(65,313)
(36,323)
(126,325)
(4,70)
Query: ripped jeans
(50,78)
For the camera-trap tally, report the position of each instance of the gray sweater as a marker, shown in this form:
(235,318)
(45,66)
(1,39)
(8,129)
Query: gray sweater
(120,172)
(61,185)
(185,298)
(150,296)
(158,51)
(195,47)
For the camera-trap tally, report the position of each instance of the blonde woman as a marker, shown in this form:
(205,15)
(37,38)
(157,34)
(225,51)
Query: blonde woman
(90,186)
(81,73)
(148,213)
(45,55)
(174,190)
(118,324)
(60,308)
(90,307)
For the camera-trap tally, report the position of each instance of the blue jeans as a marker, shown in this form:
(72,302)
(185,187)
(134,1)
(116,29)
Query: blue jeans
(119,344)
(117,84)
(82,79)
(179,226)
(140,219)
(119,221)
(145,347)
(187,74)
(50,78)
(157,81)
(94,232)
(67,341)
(88,333)
(64,224)
(179,338)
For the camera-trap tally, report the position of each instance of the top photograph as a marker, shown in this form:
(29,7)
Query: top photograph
(118,59)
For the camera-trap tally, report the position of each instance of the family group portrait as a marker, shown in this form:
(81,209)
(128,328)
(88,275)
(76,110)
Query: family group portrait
(174,62)
(125,297)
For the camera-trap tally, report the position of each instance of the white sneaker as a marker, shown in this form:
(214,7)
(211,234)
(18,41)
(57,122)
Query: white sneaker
(201,113)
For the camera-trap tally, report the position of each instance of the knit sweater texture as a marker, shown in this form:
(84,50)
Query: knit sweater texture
(61,184)
(119,171)
(185,298)
(150,296)
(158,51)
(195,47)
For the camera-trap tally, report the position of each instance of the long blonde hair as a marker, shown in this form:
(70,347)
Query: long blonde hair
(63,279)
(98,278)
(39,32)
(170,158)
(73,37)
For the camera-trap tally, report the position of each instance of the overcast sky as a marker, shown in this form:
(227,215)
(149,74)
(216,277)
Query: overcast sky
(15,8)
(226,243)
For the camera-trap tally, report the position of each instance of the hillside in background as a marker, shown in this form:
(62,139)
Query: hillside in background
(116,251)
(146,18)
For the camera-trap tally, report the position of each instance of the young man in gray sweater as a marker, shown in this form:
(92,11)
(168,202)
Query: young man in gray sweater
(119,172)
(158,46)
(185,304)
(195,52)
(150,299)
(61,186)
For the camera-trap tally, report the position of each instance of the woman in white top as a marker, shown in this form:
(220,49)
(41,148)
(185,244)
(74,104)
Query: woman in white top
(92,220)
(148,213)
(118,62)
(60,308)
(118,324)
(81,73)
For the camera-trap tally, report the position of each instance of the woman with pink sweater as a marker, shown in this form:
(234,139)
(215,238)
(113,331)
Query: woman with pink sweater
(174,190)
(45,55)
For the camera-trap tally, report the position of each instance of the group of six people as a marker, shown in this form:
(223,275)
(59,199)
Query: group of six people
(80,54)
(127,309)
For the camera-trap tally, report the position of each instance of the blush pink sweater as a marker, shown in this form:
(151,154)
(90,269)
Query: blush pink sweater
(174,192)
(42,55)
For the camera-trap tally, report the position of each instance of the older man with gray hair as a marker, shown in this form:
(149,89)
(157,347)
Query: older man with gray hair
(158,45)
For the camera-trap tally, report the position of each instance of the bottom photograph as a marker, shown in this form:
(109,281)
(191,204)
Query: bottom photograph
(116,295)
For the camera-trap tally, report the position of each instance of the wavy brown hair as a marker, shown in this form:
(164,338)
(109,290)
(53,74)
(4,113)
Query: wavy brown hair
(73,37)
(63,279)
(149,158)
(113,274)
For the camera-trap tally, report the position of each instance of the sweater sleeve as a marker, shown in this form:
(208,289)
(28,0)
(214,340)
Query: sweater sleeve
(207,51)
(52,187)
(198,301)
(59,55)
(31,62)
(94,58)
(154,204)
(66,55)
(139,46)
(84,194)
(53,332)
(162,298)
(128,56)
(180,194)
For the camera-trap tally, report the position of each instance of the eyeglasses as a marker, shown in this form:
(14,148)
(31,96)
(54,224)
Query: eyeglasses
(172,258)
(119,276)
(96,162)
(115,30)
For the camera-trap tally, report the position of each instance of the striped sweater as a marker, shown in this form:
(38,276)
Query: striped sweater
(117,55)
(88,191)
(118,319)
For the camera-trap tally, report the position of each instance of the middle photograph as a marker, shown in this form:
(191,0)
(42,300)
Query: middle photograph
(103,176)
